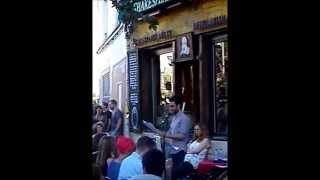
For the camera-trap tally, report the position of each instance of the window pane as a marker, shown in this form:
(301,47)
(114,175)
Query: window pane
(166,76)
(221,87)
(106,84)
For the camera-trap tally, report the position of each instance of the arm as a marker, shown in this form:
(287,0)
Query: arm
(178,136)
(109,161)
(119,122)
(108,124)
(182,131)
(203,145)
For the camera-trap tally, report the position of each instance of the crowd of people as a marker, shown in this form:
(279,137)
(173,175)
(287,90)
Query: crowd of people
(117,157)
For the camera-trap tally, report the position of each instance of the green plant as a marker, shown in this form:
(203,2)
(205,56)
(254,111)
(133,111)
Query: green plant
(129,17)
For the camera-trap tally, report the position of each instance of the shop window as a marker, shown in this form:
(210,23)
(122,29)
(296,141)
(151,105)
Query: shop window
(166,76)
(220,97)
(166,89)
(106,84)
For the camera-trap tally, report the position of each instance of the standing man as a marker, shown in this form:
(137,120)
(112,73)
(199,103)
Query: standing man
(178,134)
(117,119)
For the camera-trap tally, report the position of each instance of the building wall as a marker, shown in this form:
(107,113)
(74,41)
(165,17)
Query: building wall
(180,20)
(119,79)
(175,19)
(98,28)
(105,21)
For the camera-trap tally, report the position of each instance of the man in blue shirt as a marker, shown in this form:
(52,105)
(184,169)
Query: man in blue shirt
(132,165)
(117,118)
(178,134)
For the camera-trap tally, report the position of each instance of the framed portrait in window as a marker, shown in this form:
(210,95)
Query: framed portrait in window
(184,48)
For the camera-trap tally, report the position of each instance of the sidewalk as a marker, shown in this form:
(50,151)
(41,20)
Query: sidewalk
(134,136)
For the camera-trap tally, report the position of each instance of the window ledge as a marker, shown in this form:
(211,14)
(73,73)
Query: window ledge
(110,38)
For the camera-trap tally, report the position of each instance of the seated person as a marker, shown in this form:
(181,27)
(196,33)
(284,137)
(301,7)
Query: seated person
(153,163)
(197,151)
(98,134)
(125,146)
(106,150)
(132,165)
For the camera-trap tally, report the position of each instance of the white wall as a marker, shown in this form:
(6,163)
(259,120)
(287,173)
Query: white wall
(98,62)
(115,52)
(105,20)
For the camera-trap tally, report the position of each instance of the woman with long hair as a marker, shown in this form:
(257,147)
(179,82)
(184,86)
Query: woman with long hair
(98,134)
(99,116)
(197,151)
(106,150)
(199,147)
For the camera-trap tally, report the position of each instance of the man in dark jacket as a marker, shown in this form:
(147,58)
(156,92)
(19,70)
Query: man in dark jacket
(107,116)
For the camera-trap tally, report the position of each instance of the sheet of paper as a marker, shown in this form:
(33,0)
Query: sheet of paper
(150,126)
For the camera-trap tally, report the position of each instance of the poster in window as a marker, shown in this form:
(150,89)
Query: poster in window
(184,48)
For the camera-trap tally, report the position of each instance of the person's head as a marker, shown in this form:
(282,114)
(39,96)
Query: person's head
(106,150)
(124,145)
(145,144)
(112,104)
(175,104)
(98,109)
(153,162)
(99,128)
(105,105)
(200,132)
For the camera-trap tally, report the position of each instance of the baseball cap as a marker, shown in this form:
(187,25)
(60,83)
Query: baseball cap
(124,145)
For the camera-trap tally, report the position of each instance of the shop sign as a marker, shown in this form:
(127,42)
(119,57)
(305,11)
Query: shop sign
(133,84)
(209,23)
(144,5)
(164,35)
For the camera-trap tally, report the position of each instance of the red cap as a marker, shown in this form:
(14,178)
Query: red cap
(124,145)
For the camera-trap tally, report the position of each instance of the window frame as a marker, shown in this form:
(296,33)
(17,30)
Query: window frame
(213,40)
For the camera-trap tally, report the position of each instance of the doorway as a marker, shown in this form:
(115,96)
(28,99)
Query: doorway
(161,78)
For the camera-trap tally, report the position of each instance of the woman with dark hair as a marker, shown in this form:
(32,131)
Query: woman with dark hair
(99,115)
(96,172)
(106,150)
(98,131)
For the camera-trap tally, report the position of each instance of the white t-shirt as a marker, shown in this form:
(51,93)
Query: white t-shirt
(194,159)
(146,177)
